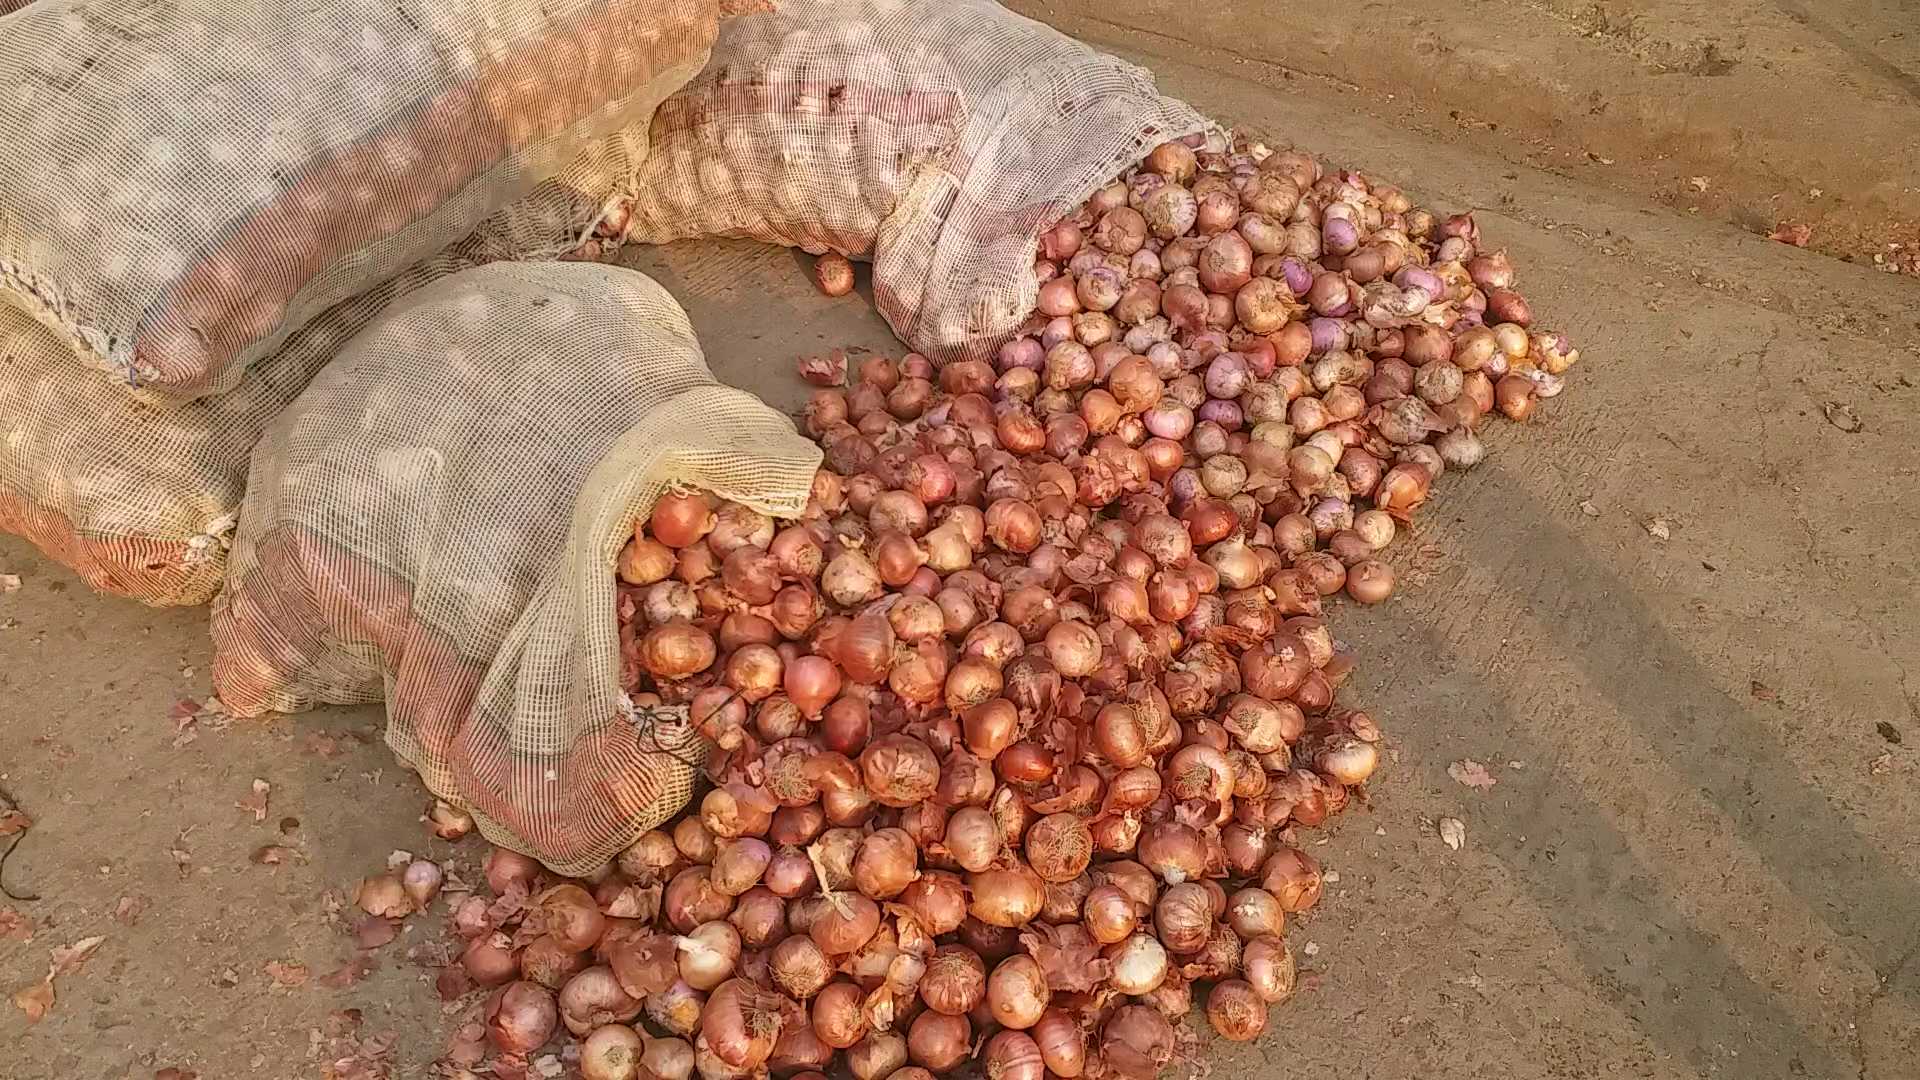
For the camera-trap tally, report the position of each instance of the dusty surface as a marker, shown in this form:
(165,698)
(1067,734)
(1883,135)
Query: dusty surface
(1753,112)
(1699,857)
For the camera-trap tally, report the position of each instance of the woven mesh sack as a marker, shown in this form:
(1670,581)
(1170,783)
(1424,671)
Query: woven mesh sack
(938,138)
(138,499)
(186,185)
(435,521)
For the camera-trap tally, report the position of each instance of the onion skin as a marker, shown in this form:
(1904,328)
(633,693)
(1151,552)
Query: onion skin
(1044,679)
(521,1017)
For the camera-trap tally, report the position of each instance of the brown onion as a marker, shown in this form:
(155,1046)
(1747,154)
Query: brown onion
(972,838)
(878,1055)
(1111,916)
(593,999)
(939,1042)
(899,770)
(1006,898)
(938,900)
(955,982)
(886,864)
(1235,1011)
(521,1017)
(612,1052)
(1293,877)
(676,650)
(1136,1043)
(1059,847)
(1174,851)
(848,922)
(1062,1045)
(1268,966)
(1017,992)
(741,1022)
(837,1016)
(799,967)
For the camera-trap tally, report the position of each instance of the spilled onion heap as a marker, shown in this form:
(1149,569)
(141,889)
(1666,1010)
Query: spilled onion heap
(1017,725)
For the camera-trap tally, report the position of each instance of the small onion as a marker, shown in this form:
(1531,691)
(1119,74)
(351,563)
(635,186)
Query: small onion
(1235,1011)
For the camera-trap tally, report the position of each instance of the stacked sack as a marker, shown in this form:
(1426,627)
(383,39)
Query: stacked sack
(938,140)
(433,521)
(198,207)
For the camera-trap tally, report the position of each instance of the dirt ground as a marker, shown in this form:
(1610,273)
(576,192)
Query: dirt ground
(1698,857)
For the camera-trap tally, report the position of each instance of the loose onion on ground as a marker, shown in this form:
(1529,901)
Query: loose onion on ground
(1036,698)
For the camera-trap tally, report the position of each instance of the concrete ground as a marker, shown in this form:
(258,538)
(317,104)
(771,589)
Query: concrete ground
(1698,857)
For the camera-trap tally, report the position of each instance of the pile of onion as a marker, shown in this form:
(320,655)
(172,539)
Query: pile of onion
(1017,726)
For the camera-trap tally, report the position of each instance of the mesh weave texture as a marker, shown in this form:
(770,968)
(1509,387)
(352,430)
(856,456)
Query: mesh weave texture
(187,184)
(938,138)
(435,520)
(138,499)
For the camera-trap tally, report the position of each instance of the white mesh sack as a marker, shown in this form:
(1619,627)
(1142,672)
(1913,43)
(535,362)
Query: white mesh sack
(938,138)
(435,521)
(185,185)
(139,499)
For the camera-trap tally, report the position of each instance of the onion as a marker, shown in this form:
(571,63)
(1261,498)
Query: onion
(972,682)
(521,1017)
(1293,877)
(1347,760)
(955,982)
(1137,965)
(760,916)
(850,579)
(741,1023)
(938,900)
(570,915)
(692,840)
(810,683)
(991,726)
(677,1009)
(1255,913)
(939,1042)
(708,956)
(1017,992)
(1236,1012)
(878,1055)
(1061,1043)
(593,999)
(848,922)
(676,650)
(1014,1055)
(1059,847)
(972,838)
(886,864)
(643,561)
(1013,525)
(899,770)
(737,809)
(385,896)
(1074,649)
(612,1052)
(1005,898)
(799,967)
(489,960)
(1136,1043)
(1369,581)
(837,1017)
(1183,917)
(1174,851)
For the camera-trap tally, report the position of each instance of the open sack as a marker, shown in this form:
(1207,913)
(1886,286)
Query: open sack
(435,521)
(186,186)
(938,138)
